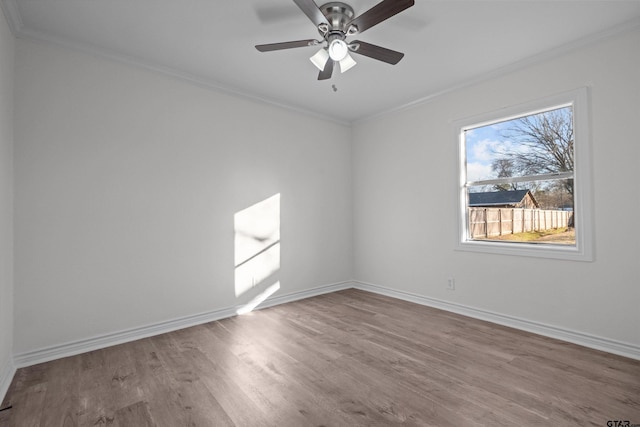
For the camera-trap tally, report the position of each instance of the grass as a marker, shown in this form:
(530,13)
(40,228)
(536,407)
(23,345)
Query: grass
(565,236)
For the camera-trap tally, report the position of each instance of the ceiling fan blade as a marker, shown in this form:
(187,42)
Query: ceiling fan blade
(380,12)
(376,52)
(286,45)
(328,70)
(310,8)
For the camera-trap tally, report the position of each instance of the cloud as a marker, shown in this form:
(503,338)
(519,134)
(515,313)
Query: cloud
(483,150)
(477,171)
(487,150)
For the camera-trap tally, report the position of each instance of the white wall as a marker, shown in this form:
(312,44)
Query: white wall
(405,175)
(6,202)
(127,182)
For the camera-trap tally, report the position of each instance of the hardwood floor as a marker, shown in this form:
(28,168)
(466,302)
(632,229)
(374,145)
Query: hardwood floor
(350,358)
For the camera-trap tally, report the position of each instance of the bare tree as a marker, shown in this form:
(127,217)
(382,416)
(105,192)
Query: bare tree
(546,142)
(503,167)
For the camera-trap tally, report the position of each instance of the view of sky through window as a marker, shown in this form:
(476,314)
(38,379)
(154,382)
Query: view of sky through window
(494,150)
(519,178)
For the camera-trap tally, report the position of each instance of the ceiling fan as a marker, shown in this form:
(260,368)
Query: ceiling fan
(335,22)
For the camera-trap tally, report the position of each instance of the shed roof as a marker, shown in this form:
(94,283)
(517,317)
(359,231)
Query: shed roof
(498,198)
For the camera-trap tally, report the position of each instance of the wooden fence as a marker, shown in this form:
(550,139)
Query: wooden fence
(488,222)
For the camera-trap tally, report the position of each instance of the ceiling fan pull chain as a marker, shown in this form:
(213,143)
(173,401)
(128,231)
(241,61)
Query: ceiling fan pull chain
(335,22)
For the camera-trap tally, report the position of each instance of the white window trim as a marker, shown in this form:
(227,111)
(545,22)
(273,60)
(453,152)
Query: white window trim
(583,206)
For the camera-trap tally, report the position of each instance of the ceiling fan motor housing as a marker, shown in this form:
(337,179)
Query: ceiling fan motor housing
(338,16)
(335,22)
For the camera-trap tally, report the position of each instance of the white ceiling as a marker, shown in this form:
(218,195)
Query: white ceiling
(446,43)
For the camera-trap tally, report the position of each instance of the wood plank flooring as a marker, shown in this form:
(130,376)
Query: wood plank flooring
(349,358)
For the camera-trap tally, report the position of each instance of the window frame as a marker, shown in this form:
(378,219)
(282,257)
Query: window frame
(582,193)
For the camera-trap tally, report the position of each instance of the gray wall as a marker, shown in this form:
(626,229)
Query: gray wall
(6,202)
(127,183)
(405,165)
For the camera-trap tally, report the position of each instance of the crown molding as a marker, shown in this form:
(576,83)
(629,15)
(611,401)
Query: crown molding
(618,30)
(12,13)
(203,82)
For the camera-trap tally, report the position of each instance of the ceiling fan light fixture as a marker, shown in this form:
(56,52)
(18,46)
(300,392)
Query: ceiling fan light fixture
(320,58)
(338,50)
(347,63)
(335,22)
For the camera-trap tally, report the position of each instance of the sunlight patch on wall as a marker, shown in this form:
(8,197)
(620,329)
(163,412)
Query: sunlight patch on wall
(257,244)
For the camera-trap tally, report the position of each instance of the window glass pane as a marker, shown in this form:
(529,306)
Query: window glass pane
(535,212)
(536,144)
(519,191)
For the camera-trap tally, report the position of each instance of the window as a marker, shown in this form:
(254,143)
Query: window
(524,183)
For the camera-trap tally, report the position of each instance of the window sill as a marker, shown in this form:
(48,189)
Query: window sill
(537,250)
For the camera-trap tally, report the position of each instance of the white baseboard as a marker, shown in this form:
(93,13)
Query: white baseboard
(107,340)
(6,376)
(611,346)
(102,341)
(295,296)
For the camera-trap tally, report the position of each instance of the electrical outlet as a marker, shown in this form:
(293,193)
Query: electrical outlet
(451,283)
